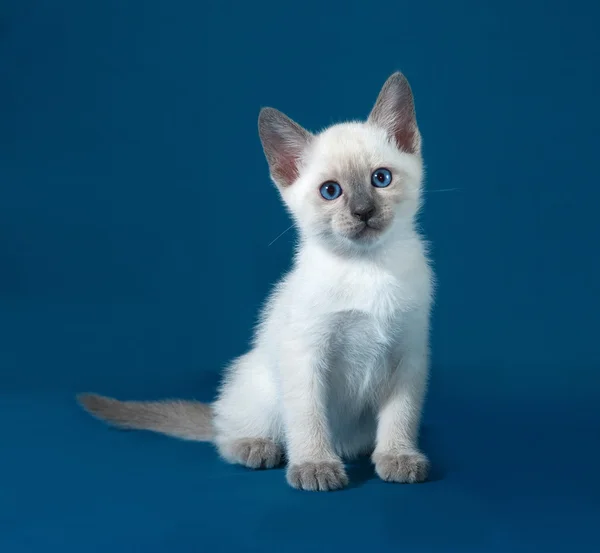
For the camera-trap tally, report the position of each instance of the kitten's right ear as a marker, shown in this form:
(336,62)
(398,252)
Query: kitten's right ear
(284,143)
(394,111)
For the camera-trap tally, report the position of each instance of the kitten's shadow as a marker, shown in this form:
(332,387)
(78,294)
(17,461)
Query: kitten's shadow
(360,471)
(428,443)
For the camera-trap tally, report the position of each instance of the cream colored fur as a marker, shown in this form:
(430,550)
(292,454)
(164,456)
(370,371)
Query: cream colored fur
(339,363)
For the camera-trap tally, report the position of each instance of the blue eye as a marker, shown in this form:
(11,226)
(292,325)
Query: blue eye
(381,178)
(331,190)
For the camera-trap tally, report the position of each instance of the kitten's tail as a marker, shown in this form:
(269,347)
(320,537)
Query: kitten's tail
(188,420)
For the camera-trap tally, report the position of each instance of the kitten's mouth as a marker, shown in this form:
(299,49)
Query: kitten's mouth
(367,232)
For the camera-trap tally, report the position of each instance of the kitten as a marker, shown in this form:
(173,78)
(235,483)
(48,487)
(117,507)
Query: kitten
(339,361)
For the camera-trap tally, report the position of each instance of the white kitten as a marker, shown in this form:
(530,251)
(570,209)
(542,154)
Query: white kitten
(339,362)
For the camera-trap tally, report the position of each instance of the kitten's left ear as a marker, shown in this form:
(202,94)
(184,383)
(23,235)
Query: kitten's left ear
(284,143)
(394,111)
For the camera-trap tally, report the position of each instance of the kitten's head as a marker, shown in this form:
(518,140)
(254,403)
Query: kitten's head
(351,184)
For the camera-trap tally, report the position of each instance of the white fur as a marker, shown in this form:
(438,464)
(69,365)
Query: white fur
(340,360)
(340,357)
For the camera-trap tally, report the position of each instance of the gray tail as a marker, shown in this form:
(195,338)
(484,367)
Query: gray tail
(188,420)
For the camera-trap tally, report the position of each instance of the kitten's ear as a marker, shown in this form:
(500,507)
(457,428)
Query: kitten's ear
(395,112)
(284,143)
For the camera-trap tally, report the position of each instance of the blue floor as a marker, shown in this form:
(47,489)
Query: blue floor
(499,484)
(506,478)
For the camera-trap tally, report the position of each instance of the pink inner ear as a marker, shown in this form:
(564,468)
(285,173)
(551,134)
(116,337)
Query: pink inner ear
(284,142)
(286,169)
(407,138)
(394,111)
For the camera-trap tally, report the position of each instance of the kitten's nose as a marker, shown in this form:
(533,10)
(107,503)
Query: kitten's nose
(364,213)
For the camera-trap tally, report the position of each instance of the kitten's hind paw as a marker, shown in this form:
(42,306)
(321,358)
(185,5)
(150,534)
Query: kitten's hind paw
(408,468)
(255,453)
(320,476)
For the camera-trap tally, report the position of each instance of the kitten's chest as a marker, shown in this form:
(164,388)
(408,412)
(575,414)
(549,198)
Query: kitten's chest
(377,295)
(362,304)
(366,320)
(359,360)
(358,338)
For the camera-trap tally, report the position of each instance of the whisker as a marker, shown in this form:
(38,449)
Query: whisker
(280,235)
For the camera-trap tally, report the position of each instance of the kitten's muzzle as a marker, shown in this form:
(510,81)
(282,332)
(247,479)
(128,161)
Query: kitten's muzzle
(368,230)
(364,212)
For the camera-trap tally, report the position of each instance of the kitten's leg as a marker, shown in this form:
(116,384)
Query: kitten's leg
(396,456)
(247,424)
(313,464)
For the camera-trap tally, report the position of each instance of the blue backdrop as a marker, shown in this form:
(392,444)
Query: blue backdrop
(136,245)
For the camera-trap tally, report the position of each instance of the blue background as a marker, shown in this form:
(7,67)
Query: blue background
(136,218)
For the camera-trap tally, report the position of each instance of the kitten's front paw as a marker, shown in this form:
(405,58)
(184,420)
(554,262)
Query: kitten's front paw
(409,468)
(322,477)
